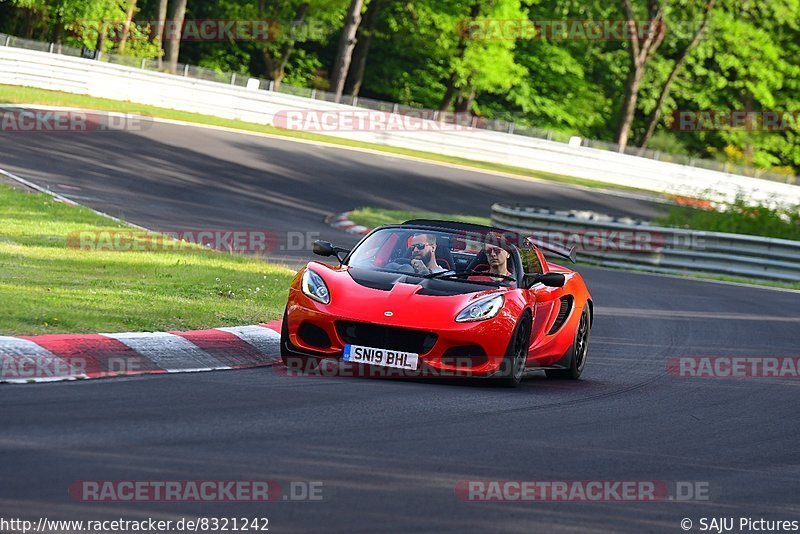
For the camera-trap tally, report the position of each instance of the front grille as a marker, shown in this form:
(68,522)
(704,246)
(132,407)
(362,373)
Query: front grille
(386,337)
(563,312)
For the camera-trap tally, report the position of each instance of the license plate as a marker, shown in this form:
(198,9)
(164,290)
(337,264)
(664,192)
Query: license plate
(382,357)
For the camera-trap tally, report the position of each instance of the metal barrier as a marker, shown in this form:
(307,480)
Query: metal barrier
(251,103)
(630,244)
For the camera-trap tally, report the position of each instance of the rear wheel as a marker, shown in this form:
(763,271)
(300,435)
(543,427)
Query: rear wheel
(513,367)
(295,363)
(580,349)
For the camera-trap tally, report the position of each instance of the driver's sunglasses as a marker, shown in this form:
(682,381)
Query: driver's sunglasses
(418,246)
(493,250)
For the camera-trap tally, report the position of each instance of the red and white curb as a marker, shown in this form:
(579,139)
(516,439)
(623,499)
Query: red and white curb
(50,358)
(343,222)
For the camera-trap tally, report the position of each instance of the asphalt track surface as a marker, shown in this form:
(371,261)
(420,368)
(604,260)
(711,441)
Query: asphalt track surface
(389,452)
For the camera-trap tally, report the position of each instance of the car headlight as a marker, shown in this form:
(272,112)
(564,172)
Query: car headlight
(314,286)
(481,309)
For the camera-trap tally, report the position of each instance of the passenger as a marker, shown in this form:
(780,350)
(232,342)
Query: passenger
(497,258)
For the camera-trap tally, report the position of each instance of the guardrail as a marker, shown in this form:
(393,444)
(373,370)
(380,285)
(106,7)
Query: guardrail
(119,82)
(629,244)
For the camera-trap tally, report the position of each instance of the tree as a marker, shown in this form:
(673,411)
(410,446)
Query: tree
(161,19)
(126,28)
(277,57)
(655,116)
(640,51)
(482,61)
(173,48)
(355,77)
(344,53)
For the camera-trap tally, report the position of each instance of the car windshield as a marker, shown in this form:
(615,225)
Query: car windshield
(473,256)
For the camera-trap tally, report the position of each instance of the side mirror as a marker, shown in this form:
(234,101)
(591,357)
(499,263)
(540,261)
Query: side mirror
(549,279)
(324,248)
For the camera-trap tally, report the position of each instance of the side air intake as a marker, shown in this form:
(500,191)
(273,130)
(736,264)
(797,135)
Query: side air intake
(563,313)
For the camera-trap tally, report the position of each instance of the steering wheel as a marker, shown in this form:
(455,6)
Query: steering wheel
(401,261)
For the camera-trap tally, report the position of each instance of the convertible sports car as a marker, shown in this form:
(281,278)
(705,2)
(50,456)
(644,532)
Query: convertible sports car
(437,298)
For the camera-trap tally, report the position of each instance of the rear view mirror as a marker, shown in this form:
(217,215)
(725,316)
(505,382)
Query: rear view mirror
(323,248)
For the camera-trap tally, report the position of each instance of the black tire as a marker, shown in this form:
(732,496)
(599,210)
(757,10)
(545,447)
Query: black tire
(295,363)
(513,367)
(580,349)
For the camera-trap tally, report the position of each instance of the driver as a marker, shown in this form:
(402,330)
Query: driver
(423,254)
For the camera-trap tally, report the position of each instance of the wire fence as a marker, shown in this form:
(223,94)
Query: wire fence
(497,125)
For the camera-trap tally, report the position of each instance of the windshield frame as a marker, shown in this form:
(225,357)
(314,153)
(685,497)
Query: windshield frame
(412,228)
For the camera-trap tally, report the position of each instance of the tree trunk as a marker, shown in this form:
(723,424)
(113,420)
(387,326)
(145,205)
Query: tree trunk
(347,42)
(287,50)
(452,90)
(655,116)
(449,94)
(126,28)
(640,52)
(631,96)
(748,150)
(174,43)
(58,32)
(356,75)
(101,38)
(162,17)
(464,103)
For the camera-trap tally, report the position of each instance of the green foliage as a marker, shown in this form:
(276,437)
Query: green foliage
(738,217)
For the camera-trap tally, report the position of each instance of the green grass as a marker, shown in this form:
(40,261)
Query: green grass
(738,217)
(48,287)
(11,94)
(372,217)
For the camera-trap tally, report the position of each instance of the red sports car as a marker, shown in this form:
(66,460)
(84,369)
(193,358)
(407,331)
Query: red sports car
(442,299)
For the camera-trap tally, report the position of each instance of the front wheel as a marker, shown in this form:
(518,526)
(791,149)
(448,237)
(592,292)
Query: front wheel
(513,366)
(580,349)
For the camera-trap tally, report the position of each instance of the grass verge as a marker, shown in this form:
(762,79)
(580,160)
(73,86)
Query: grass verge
(372,217)
(11,94)
(48,287)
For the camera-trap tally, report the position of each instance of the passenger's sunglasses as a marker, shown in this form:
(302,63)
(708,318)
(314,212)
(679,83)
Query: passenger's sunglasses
(493,250)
